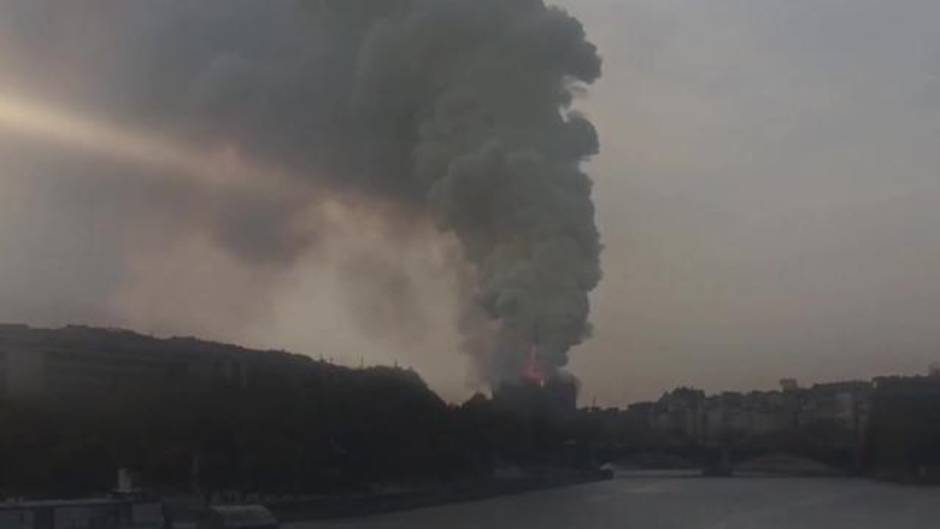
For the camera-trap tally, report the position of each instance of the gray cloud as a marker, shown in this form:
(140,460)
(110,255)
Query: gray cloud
(454,112)
(765,185)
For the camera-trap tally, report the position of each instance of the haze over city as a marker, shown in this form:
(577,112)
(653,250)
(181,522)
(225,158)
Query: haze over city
(765,192)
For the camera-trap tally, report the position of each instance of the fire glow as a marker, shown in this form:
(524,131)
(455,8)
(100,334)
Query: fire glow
(533,372)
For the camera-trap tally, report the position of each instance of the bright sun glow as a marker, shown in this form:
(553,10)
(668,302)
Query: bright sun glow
(47,123)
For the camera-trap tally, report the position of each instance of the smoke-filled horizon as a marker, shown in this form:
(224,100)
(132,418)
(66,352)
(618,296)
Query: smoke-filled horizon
(766,184)
(434,120)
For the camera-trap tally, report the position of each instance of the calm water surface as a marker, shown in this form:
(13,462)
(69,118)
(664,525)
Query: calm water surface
(682,503)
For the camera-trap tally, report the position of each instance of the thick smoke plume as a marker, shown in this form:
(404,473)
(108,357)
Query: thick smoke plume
(454,110)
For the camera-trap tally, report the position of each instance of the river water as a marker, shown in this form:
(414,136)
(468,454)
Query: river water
(681,503)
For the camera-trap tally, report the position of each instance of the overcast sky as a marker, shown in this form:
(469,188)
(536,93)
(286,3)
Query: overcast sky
(766,191)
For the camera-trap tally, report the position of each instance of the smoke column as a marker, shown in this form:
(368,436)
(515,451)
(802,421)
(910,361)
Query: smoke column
(454,110)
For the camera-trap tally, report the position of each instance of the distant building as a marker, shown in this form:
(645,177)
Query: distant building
(642,413)
(789,384)
(681,411)
(751,414)
(843,404)
(933,370)
(905,428)
(840,408)
(556,396)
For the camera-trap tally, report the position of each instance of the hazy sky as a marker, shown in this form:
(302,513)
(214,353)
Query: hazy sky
(766,191)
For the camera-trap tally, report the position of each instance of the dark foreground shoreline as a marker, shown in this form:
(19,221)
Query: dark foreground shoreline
(331,507)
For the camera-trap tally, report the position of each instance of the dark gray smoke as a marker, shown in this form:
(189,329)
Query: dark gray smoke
(459,110)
